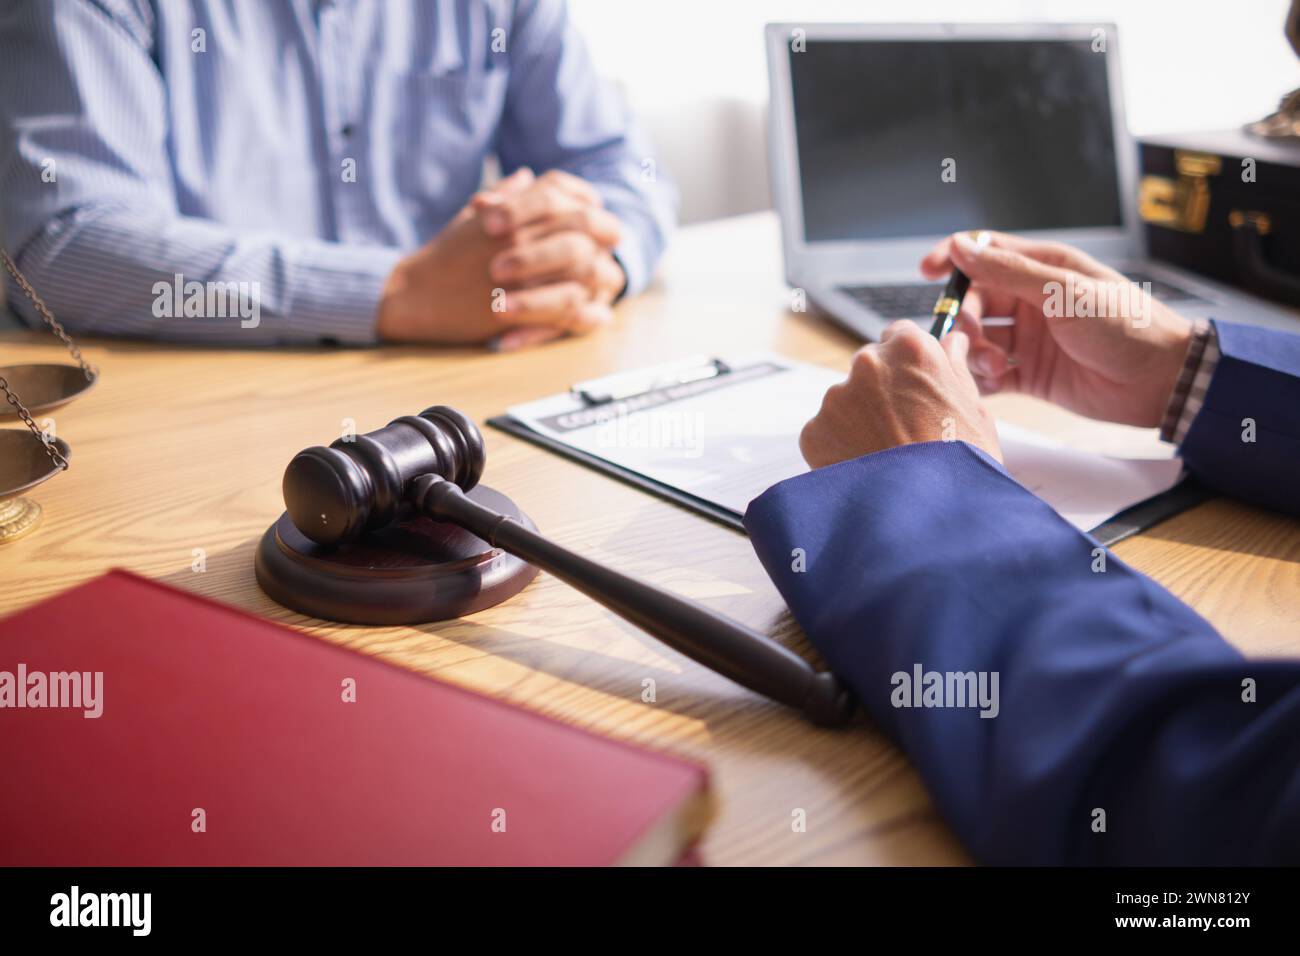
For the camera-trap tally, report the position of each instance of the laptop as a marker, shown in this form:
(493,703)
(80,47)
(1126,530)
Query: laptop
(885,138)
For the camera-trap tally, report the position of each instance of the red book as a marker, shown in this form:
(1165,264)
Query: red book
(222,739)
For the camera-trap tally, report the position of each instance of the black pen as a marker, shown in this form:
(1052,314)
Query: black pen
(949,304)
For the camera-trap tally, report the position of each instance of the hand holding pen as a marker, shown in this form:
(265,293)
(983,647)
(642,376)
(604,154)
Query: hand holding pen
(1048,320)
(949,304)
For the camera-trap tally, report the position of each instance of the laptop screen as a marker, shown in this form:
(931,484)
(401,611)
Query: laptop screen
(911,138)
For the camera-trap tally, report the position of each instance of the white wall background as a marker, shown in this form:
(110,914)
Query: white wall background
(695,69)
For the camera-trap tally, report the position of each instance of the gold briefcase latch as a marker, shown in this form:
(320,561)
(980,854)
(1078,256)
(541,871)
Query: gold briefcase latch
(1184,203)
(1259,221)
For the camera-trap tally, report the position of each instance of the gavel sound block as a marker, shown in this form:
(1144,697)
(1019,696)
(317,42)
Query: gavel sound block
(391,527)
(396,566)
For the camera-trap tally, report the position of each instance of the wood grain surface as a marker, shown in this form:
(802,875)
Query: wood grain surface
(181,449)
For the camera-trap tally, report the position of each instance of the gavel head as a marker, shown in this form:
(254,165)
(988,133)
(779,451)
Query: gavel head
(359,483)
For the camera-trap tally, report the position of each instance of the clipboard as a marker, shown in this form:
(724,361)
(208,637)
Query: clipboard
(1188,493)
(659,489)
(699,374)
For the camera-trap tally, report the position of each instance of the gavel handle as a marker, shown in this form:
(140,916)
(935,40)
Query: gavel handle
(746,657)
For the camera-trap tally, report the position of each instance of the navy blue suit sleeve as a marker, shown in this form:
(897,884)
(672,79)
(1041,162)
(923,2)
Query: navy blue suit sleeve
(1245,441)
(1111,694)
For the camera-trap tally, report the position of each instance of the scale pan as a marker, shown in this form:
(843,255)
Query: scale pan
(24,463)
(43,388)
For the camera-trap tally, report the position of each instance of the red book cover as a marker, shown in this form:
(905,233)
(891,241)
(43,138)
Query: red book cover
(144,726)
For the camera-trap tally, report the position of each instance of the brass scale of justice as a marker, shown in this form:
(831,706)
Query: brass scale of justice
(25,463)
(392,527)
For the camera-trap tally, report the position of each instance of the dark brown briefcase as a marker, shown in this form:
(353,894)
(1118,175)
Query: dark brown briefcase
(1226,205)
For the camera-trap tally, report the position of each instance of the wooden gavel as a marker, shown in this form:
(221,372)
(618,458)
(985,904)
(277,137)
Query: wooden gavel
(424,464)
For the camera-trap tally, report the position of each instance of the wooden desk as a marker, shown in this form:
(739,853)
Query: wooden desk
(180,449)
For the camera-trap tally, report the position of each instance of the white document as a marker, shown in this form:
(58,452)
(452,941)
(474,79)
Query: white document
(726,436)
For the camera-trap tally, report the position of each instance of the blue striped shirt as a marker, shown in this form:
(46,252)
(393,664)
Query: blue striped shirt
(290,150)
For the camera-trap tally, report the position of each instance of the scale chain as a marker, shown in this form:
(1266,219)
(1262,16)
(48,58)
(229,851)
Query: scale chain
(55,326)
(87,369)
(26,416)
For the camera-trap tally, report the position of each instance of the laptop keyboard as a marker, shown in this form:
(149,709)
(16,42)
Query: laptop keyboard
(917,299)
(897,301)
(1163,291)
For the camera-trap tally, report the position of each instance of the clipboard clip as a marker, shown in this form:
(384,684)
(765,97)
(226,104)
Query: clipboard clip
(625,385)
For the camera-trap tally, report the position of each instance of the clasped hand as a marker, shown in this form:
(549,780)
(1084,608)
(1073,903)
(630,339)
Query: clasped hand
(527,261)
